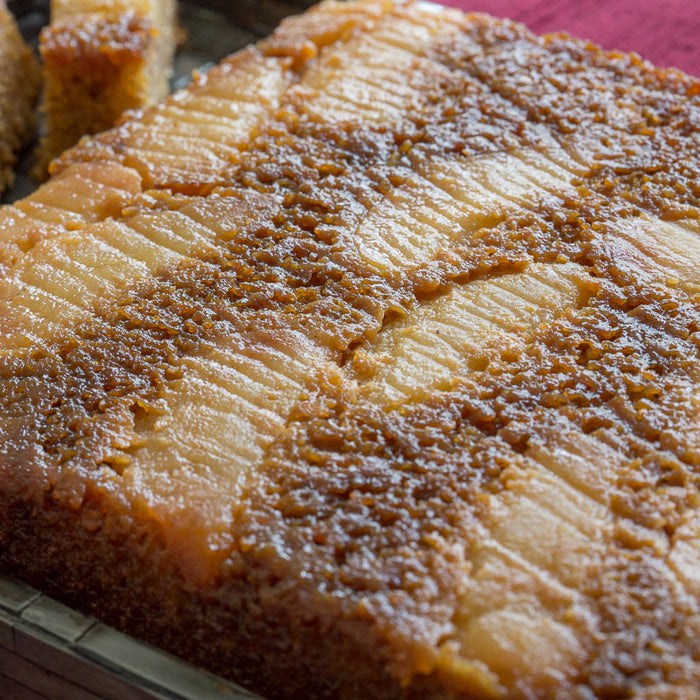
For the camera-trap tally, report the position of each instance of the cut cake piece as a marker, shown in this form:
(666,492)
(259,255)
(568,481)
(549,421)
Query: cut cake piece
(20,80)
(102,58)
(371,369)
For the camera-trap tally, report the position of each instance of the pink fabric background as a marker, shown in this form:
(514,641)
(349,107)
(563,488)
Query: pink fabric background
(666,32)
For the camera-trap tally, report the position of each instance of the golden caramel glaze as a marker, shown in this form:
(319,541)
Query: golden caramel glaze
(373,369)
(88,192)
(20,81)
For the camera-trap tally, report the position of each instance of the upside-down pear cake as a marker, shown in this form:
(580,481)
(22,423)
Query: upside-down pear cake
(367,366)
(101,58)
(20,79)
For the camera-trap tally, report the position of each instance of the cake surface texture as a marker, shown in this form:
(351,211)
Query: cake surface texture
(19,89)
(367,366)
(101,59)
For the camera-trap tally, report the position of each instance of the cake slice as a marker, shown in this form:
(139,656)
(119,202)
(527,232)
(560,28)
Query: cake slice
(19,89)
(102,58)
(371,366)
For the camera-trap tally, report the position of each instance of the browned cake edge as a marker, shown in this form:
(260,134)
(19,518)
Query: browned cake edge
(98,66)
(94,561)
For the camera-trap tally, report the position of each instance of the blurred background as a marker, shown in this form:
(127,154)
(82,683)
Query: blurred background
(666,32)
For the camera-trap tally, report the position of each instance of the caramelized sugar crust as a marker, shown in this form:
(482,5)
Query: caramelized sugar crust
(118,40)
(372,366)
